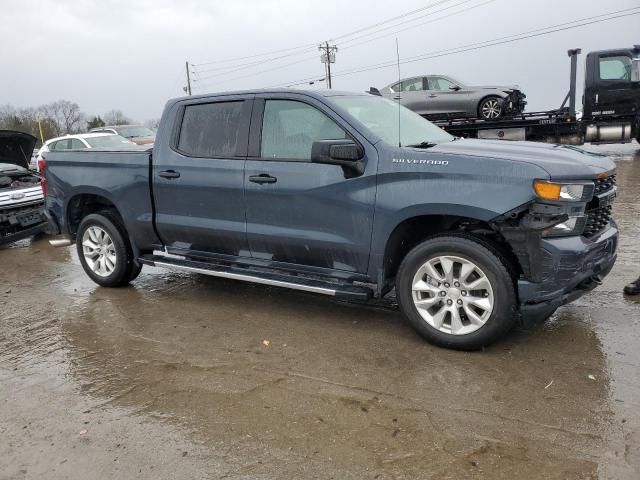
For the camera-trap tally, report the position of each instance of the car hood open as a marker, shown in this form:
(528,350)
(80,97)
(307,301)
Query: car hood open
(16,147)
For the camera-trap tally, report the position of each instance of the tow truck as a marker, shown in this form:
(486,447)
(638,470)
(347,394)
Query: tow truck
(610,107)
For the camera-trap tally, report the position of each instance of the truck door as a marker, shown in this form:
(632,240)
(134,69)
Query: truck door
(300,212)
(198,177)
(612,92)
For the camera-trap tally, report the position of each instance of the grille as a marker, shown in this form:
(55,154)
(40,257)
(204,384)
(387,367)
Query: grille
(605,184)
(597,219)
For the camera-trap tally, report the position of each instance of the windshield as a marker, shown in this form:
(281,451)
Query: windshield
(105,141)
(381,116)
(131,132)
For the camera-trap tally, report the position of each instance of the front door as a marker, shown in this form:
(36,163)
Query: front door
(198,178)
(300,212)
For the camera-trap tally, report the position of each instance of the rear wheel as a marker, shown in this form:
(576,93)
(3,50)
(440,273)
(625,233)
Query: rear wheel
(457,292)
(104,250)
(490,108)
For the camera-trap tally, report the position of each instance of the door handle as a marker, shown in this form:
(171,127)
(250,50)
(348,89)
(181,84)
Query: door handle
(262,178)
(169,174)
(432,96)
(397,97)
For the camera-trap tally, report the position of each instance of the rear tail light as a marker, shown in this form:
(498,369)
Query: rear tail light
(42,168)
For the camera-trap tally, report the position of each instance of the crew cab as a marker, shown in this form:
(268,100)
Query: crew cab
(348,195)
(21,201)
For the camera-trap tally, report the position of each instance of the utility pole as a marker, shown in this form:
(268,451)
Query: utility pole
(187,89)
(327,56)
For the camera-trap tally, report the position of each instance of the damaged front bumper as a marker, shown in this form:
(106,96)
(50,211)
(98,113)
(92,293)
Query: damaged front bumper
(566,269)
(21,222)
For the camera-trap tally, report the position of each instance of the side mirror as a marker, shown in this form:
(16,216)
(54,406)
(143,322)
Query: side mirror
(455,88)
(345,153)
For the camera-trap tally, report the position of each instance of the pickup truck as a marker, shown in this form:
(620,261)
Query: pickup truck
(348,195)
(21,200)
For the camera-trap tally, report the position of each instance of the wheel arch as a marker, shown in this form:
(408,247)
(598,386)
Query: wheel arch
(412,230)
(85,202)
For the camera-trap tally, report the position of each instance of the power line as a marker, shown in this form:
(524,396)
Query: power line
(488,43)
(342,36)
(395,32)
(307,46)
(408,21)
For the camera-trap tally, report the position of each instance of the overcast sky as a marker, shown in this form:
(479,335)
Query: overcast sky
(130,55)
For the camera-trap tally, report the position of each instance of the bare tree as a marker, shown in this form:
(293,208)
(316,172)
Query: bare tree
(152,123)
(66,116)
(116,117)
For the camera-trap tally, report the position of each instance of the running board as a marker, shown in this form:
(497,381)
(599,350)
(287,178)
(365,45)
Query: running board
(295,282)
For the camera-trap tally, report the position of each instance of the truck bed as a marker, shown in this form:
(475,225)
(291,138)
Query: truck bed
(122,177)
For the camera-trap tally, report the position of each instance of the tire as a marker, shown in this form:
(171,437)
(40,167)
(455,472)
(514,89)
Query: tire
(485,313)
(487,108)
(103,237)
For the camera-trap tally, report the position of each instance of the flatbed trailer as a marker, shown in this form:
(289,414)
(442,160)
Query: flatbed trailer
(610,110)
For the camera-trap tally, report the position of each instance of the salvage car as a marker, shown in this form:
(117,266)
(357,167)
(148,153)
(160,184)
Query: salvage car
(438,96)
(321,191)
(21,198)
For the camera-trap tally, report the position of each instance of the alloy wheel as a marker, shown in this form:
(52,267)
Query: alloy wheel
(453,295)
(99,251)
(491,109)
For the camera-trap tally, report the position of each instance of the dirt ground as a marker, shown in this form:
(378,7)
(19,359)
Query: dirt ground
(186,376)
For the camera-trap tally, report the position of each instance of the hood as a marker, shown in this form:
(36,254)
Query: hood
(16,147)
(560,161)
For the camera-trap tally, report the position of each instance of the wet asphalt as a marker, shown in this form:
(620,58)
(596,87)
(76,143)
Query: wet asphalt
(186,376)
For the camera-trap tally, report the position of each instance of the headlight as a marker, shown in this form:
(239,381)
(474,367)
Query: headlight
(571,226)
(571,192)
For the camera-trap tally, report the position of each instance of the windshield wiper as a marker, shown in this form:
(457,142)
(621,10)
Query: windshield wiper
(422,145)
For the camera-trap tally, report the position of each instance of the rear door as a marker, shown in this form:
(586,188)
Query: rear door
(299,212)
(198,177)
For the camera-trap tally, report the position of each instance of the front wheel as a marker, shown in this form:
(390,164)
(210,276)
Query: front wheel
(104,250)
(457,292)
(490,108)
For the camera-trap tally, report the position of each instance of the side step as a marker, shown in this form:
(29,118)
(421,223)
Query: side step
(295,282)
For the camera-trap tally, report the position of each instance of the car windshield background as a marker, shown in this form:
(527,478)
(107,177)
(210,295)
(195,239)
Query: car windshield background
(615,68)
(381,117)
(211,129)
(130,132)
(107,141)
(289,129)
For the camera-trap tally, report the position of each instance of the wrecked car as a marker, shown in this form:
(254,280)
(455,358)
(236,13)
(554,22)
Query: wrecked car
(440,96)
(21,198)
(347,195)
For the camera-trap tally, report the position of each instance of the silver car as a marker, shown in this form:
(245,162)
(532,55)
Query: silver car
(440,96)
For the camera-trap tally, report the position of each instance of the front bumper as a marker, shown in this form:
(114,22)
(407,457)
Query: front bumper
(21,222)
(569,268)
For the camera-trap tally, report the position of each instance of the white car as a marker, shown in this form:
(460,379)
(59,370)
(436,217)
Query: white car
(82,141)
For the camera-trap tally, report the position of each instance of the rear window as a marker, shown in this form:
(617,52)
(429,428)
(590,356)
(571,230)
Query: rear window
(211,129)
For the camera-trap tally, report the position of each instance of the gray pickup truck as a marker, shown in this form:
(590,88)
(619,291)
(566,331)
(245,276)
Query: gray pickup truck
(348,195)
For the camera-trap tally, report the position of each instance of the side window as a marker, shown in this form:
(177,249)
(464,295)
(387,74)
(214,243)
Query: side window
(60,145)
(211,129)
(77,144)
(615,68)
(439,83)
(412,85)
(289,129)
